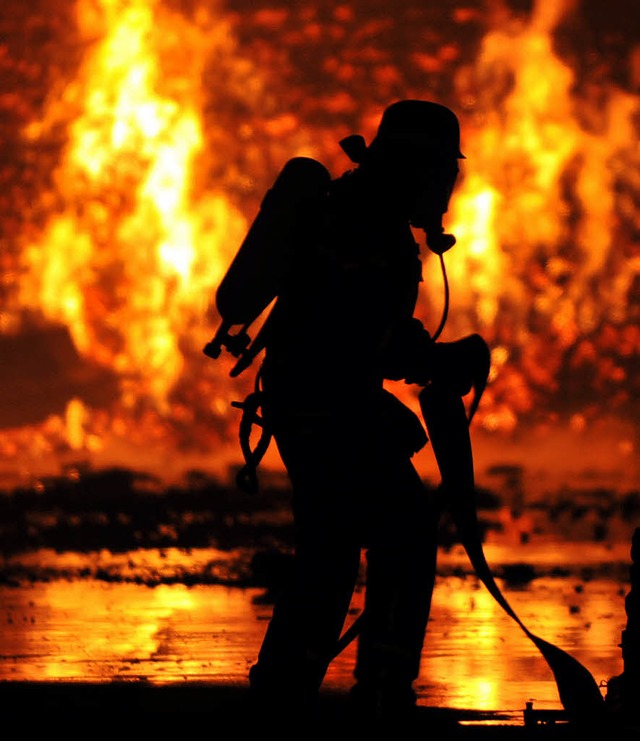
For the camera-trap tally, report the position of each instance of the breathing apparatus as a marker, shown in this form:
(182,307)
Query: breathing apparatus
(439,242)
(417,147)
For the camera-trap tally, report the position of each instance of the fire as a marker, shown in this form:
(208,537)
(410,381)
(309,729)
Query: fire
(129,214)
(175,121)
(536,216)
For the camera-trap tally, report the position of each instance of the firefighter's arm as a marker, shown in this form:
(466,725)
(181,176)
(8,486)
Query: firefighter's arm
(409,353)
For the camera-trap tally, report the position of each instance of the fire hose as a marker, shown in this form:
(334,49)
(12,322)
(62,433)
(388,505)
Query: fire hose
(447,425)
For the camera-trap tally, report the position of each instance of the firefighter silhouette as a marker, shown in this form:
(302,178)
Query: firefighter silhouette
(338,263)
(343,324)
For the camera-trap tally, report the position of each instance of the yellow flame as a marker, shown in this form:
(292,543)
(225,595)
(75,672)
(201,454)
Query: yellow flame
(533,162)
(478,207)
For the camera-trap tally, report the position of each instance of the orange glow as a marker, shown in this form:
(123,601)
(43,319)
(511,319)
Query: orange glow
(131,633)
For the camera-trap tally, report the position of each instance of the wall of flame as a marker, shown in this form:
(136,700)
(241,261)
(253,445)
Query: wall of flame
(141,136)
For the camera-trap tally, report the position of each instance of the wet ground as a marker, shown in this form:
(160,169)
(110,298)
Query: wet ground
(159,603)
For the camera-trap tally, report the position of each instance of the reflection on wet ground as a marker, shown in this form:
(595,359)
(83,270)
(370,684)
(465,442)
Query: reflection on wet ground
(475,656)
(105,579)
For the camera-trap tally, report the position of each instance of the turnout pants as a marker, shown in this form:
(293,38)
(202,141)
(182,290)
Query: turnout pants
(355,491)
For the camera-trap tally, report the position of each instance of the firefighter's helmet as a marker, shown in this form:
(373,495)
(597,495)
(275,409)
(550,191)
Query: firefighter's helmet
(410,129)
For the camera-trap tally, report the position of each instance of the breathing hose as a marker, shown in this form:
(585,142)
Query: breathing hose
(445,310)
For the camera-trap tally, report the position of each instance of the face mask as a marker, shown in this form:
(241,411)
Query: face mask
(433,192)
(432,202)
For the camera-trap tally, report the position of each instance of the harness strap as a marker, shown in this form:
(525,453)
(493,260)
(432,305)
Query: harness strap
(247,476)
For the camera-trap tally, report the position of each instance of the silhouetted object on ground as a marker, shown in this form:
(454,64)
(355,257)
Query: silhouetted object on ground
(623,691)
(340,259)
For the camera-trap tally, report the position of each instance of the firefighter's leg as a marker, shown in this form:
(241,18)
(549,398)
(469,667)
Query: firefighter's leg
(401,567)
(309,617)
(306,623)
(447,424)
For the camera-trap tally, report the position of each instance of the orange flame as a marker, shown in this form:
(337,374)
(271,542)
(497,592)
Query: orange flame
(535,216)
(132,257)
